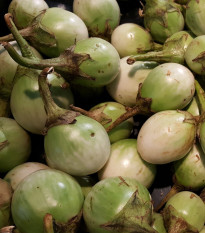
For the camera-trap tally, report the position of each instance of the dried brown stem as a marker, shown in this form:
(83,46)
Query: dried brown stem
(142,107)
(96,114)
(48,223)
(174,190)
(80,110)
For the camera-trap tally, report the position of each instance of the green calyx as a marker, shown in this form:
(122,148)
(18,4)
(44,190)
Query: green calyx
(136,216)
(173,50)
(163,18)
(36,33)
(163,7)
(75,64)
(68,62)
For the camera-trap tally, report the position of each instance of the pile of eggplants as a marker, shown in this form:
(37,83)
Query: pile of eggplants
(102,116)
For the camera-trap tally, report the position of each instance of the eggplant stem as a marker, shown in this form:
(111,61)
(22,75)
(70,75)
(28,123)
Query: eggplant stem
(174,190)
(67,64)
(23,61)
(48,223)
(55,114)
(7,38)
(160,56)
(81,110)
(96,114)
(142,107)
(23,44)
(51,108)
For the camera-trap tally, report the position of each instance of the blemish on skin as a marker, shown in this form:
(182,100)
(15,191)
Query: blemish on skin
(123,181)
(65,85)
(198,158)
(91,203)
(92,134)
(2,80)
(177,80)
(168,73)
(192,196)
(140,171)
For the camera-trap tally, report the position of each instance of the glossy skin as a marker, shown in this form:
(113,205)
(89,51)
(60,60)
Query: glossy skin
(190,170)
(125,161)
(124,88)
(166,136)
(25,11)
(79,149)
(18,173)
(104,64)
(193,107)
(67,27)
(101,17)
(107,198)
(194,17)
(195,49)
(113,110)
(130,39)
(190,207)
(32,115)
(170,85)
(18,149)
(42,192)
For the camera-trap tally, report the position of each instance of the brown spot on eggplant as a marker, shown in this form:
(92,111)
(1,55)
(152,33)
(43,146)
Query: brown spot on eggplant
(65,85)
(140,171)
(123,181)
(2,80)
(91,203)
(198,158)
(192,196)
